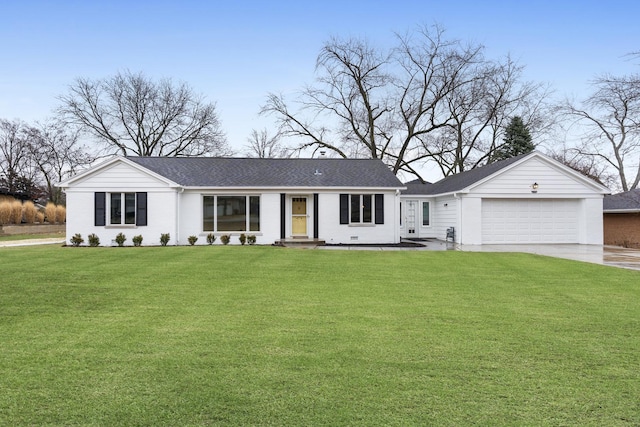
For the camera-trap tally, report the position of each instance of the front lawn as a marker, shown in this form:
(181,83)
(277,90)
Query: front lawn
(271,336)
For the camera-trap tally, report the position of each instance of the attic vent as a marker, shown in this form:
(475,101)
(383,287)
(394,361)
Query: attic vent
(317,173)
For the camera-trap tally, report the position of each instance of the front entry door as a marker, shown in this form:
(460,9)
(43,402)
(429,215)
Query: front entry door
(299,216)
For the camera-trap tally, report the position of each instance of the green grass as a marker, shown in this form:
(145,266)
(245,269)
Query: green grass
(12,237)
(268,336)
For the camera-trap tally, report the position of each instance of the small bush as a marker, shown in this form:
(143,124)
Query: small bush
(40,217)
(120,239)
(192,240)
(251,239)
(61,214)
(137,240)
(164,239)
(243,239)
(94,240)
(16,212)
(50,213)
(76,240)
(5,212)
(225,239)
(29,211)
(211,238)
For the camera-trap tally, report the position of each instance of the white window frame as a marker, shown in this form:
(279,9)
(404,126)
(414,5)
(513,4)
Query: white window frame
(247,213)
(123,209)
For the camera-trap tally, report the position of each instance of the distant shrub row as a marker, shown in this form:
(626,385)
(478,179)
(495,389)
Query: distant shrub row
(16,212)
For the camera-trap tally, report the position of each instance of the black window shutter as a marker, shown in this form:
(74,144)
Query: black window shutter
(141,208)
(100,209)
(315,216)
(344,209)
(379,208)
(283,219)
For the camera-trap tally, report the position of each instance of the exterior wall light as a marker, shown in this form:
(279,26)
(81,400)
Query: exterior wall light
(534,187)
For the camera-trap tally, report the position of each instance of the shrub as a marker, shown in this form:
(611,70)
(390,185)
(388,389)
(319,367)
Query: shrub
(211,238)
(76,240)
(29,211)
(16,212)
(120,239)
(61,214)
(5,212)
(137,240)
(243,239)
(50,213)
(192,240)
(225,238)
(94,240)
(164,239)
(40,217)
(251,239)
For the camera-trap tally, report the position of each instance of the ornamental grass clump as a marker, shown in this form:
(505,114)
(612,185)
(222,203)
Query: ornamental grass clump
(16,212)
(61,214)
(50,213)
(29,212)
(40,217)
(5,212)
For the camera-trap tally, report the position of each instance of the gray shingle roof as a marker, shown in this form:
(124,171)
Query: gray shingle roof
(627,201)
(253,172)
(460,180)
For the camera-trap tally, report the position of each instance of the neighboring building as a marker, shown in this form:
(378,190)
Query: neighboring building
(622,219)
(521,200)
(330,200)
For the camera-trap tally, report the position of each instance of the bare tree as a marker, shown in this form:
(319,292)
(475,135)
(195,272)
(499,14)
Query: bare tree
(57,153)
(15,164)
(405,105)
(611,116)
(133,115)
(481,103)
(263,146)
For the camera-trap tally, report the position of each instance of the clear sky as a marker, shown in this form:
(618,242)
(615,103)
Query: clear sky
(234,52)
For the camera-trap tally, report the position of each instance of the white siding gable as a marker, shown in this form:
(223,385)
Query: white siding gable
(551,180)
(120,175)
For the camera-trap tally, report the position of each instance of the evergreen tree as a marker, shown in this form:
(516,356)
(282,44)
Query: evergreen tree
(517,140)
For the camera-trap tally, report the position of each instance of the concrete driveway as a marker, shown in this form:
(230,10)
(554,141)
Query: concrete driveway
(597,254)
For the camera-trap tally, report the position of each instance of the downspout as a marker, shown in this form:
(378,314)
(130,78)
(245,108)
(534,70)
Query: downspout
(178,200)
(458,235)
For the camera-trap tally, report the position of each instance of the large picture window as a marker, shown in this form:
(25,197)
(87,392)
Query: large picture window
(230,213)
(361,208)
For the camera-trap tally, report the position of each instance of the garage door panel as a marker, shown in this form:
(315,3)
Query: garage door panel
(529,221)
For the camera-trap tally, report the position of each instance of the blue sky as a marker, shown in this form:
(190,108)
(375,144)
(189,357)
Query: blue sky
(235,52)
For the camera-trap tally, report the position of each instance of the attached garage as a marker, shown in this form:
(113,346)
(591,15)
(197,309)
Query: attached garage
(526,199)
(520,221)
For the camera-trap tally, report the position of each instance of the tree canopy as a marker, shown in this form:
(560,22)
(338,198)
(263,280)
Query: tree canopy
(517,140)
(131,114)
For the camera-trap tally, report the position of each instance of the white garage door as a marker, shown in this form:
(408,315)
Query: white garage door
(529,221)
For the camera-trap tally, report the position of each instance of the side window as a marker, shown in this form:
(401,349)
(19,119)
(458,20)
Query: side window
(426,219)
(120,209)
